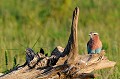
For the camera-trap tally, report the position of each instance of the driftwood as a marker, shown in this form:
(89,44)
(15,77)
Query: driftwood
(64,63)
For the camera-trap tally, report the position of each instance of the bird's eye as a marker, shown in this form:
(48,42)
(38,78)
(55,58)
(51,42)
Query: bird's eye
(94,34)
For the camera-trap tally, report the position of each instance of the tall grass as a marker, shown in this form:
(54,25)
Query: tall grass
(22,22)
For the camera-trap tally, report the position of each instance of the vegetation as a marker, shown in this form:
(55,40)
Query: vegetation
(23,22)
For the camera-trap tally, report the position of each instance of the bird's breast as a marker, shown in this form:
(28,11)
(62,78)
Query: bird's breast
(95,44)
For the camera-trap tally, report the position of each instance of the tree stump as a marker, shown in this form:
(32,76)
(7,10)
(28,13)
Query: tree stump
(64,63)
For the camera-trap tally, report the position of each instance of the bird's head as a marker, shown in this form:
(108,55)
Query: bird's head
(93,35)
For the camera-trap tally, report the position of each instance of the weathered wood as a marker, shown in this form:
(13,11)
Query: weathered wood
(72,46)
(63,63)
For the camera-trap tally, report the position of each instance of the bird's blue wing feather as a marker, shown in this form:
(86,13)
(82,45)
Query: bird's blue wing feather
(98,50)
(90,51)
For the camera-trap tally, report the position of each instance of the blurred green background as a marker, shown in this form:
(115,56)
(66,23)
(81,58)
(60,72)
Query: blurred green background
(23,22)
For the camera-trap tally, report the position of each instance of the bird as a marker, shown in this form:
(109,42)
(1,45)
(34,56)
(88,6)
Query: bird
(94,45)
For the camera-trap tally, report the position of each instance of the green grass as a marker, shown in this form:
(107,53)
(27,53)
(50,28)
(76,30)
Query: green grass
(22,22)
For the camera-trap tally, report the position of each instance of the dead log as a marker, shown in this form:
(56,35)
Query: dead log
(72,47)
(63,63)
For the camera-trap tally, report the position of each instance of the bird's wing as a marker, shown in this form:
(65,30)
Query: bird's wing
(88,47)
(88,43)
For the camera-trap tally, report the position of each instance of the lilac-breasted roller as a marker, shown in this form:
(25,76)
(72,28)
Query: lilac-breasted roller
(94,45)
